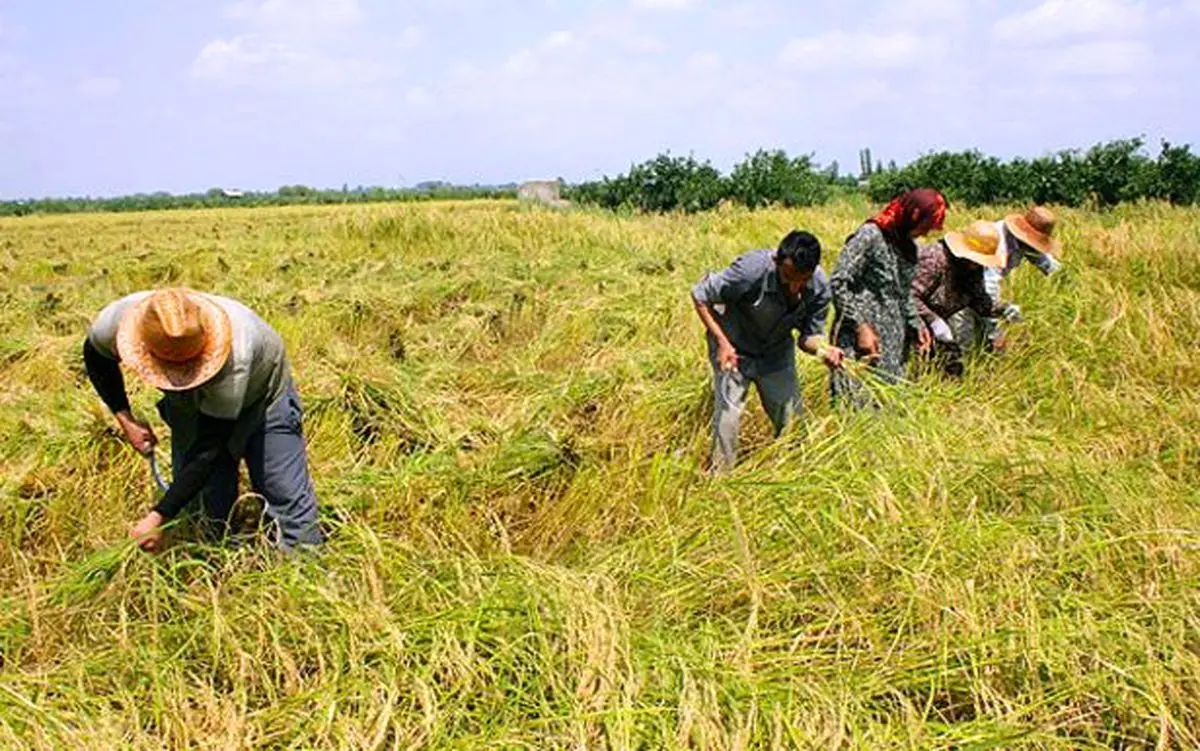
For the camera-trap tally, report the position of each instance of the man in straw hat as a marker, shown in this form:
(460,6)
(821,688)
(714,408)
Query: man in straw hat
(1023,237)
(749,311)
(228,396)
(950,278)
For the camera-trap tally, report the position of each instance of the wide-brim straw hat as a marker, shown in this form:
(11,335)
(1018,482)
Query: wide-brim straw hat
(1035,228)
(979,242)
(175,339)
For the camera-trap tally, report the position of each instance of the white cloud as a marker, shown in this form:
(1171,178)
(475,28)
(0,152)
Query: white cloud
(913,14)
(861,50)
(1117,58)
(667,5)
(297,14)
(1056,19)
(559,39)
(520,62)
(233,60)
(622,30)
(99,87)
(596,72)
(298,43)
(257,59)
(747,15)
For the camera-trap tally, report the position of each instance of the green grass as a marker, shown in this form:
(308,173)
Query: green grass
(507,416)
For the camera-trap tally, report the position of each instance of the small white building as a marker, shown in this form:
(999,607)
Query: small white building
(545,191)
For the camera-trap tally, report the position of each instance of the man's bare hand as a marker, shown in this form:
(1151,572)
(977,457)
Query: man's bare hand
(832,357)
(148,532)
(138,433)
(727,357)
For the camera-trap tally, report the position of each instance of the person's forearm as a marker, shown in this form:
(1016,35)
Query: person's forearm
(704,310)
(106,378)
(924,312)
(814,345)
(188,484)
(1046,263)
(213,442)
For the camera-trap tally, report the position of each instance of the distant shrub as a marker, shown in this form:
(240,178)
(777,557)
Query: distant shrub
(771,177)
(667,183)
(1178,174)
(664,183)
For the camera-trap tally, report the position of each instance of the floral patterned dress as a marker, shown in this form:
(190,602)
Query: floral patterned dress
(872,284)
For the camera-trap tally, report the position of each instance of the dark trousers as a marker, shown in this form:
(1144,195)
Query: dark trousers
(277,459)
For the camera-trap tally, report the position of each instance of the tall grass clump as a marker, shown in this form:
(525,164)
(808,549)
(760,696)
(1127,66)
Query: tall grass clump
(508,417)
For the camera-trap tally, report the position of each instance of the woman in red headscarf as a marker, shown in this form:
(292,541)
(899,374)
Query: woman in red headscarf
(876,317)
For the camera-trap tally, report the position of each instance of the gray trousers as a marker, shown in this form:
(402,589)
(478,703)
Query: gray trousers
(778,390)
(277,460)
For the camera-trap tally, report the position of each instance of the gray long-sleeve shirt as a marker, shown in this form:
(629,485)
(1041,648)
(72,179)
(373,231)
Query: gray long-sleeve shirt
(1016,252)
(754,309)
(255,375)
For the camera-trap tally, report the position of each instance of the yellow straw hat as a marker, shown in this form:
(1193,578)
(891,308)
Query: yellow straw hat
(979,242)
(175,339)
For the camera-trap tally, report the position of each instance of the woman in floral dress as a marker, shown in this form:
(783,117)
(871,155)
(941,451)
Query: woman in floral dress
(876,317)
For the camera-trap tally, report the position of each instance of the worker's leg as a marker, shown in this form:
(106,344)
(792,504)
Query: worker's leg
(729,399)
(277,458)
(780,394)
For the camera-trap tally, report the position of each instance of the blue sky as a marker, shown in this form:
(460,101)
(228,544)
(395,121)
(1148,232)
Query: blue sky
(184,95)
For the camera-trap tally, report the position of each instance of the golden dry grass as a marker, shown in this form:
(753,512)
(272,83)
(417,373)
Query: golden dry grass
(507,413)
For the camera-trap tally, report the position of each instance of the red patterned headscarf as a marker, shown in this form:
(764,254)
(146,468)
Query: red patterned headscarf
(908,211)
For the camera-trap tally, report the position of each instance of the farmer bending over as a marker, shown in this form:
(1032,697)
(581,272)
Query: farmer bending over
(228,396)
(872,280)
(1023,237)
(950,278)
(750,310)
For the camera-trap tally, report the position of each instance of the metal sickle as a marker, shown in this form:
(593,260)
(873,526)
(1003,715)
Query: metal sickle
(158,478)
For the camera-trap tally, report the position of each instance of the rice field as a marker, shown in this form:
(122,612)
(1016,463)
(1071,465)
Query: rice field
(508,420)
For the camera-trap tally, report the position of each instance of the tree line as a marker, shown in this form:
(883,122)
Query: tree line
(286,195)
(1104,175)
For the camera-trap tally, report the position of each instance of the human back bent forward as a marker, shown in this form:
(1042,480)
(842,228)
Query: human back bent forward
(749,311)
(950,279)
(228,397)
(1023,237)
(876,316)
